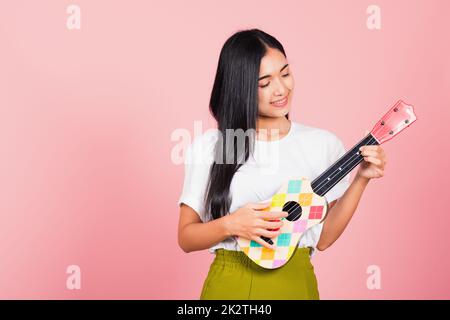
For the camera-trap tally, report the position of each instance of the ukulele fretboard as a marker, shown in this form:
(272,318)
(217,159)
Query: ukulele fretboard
(337,171)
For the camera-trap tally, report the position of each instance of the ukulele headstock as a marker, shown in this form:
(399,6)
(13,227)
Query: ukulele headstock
(399,117)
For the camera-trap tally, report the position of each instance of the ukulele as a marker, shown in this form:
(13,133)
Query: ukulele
(304,200)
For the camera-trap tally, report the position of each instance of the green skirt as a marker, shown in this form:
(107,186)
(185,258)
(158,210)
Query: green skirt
(232,275)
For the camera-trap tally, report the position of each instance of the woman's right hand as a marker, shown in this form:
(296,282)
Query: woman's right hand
(251,223)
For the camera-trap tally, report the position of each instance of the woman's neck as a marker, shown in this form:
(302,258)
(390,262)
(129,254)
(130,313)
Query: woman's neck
(272,128)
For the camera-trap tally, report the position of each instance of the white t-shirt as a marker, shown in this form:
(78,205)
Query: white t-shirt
(304,151)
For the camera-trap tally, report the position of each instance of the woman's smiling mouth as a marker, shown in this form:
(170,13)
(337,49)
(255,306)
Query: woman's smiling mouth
(280,103)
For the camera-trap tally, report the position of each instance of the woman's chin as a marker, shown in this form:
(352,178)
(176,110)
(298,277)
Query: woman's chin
(275,112)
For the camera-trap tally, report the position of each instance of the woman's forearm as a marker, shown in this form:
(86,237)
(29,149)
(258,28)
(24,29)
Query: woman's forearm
(200,236)
(340,214)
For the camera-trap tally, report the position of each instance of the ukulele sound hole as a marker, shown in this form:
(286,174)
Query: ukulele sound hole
(294,209)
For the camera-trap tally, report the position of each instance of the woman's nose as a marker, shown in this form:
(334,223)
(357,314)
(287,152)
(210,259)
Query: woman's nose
(280,89)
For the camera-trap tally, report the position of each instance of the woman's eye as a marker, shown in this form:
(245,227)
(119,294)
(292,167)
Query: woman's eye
(265,85)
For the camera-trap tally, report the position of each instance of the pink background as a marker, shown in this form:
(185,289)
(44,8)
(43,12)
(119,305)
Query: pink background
(86,116)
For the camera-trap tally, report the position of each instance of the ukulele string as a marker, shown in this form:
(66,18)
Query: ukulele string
(346,164)
(361,141)
(343,167)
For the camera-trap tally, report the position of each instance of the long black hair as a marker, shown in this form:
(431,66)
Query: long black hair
(234,105)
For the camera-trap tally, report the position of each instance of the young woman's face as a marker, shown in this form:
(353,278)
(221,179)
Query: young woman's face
(275,85)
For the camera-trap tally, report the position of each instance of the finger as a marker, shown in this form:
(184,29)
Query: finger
(267,233)
(375,154)
(370,147)
(371,153)
(263,243)
(274,215)
(259,206)
(272,225)
(373,160)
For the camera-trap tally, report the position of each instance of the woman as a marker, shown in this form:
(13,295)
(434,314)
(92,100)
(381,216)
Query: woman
(221,199)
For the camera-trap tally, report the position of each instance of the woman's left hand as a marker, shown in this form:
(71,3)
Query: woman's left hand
(373,163)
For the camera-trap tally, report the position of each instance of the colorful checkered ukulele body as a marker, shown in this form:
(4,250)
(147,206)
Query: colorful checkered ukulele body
(304,200)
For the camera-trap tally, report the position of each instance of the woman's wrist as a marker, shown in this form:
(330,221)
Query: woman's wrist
(361,179)
(226,225)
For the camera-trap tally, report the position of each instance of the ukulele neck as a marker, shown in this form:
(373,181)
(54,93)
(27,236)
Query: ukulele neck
(338,170)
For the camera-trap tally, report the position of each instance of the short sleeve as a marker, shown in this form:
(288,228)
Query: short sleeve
(196,173)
